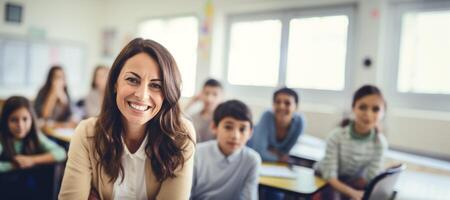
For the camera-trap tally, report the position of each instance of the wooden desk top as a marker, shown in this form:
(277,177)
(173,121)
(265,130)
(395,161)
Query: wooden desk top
(305,184)
(63,134)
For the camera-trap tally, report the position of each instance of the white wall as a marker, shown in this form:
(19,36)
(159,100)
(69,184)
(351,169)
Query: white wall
(74,21)
(417,130)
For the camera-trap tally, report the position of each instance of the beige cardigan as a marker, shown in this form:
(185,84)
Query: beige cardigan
(80,174)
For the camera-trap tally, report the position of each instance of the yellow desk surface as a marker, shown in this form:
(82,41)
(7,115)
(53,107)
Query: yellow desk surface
(57,133)
(300,185)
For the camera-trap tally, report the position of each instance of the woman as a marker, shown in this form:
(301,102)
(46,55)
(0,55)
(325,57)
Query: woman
(277,131)
(53,101)
(139,147)
(356,148)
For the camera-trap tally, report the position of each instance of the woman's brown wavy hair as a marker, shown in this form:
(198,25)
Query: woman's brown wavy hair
(168,137)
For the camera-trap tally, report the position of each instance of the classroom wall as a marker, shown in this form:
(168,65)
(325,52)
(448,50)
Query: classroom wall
(416,130)
(73,21)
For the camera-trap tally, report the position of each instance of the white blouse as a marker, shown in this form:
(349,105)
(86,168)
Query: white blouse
(133,185)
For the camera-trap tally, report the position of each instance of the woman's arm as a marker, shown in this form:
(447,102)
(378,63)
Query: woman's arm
(77,178)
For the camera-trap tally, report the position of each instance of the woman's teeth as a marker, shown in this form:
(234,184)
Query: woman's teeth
(138,107)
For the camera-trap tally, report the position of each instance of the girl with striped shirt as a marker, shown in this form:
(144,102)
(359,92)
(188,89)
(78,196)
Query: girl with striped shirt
(355,150)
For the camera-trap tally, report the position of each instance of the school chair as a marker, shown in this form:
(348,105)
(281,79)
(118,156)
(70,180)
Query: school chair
(382,186)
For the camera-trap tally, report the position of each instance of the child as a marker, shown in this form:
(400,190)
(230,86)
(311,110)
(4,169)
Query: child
(355,149)
(53,101)
(21,146)
(93,101)
(225,168)
(210,96)
(278,129)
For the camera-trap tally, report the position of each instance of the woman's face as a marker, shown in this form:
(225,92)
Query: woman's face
(101,77)
(284,107)
(368,112)
(58,79)
(19,123)
(139,89)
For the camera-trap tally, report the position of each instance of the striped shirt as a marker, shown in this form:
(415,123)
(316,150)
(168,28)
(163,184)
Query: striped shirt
(351,155)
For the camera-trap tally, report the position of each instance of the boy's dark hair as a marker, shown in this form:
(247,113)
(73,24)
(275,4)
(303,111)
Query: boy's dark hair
(212,83)
(287,91)
(232,108)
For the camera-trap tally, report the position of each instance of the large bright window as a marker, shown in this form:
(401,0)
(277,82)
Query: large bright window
(317,52)
(254,53)
(424,64)
(180,36)
(304,49)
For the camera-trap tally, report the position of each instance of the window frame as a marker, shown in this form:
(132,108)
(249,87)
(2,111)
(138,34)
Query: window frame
(412,100)
(309,95)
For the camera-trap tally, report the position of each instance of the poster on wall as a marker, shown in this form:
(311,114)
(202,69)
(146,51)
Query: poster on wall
(109,39)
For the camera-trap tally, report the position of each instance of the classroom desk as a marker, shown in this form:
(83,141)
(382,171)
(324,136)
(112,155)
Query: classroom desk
(63,134)
(304,185)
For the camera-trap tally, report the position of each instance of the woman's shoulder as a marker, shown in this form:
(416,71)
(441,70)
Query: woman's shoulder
(86,127)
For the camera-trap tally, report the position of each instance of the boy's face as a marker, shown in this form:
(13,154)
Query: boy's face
(232,134)
(211,96)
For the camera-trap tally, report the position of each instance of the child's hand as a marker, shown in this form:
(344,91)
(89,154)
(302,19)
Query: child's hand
(357,195)
(24,162)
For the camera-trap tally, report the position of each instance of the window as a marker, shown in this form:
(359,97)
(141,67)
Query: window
(304,49)
(254,47)
(183,46)
(317,52)
(424,64)
(417,69)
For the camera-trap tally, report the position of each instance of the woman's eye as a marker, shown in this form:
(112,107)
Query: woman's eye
(132,80)
(155,86)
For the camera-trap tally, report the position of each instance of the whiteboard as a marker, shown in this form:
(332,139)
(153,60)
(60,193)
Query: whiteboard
(25,62)
(14,60)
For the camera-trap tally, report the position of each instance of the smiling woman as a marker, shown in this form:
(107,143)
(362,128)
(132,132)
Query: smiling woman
(139,147)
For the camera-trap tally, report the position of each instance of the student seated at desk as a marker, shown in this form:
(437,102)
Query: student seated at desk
(225,168)
(355,150)
(93,101)
(53,101)
(277,131)
(210,96)
(21,145)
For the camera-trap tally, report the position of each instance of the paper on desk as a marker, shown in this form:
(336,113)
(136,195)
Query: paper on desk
(67,132)
(277,171)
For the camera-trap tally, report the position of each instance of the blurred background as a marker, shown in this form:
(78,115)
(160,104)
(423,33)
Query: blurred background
(324,49)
